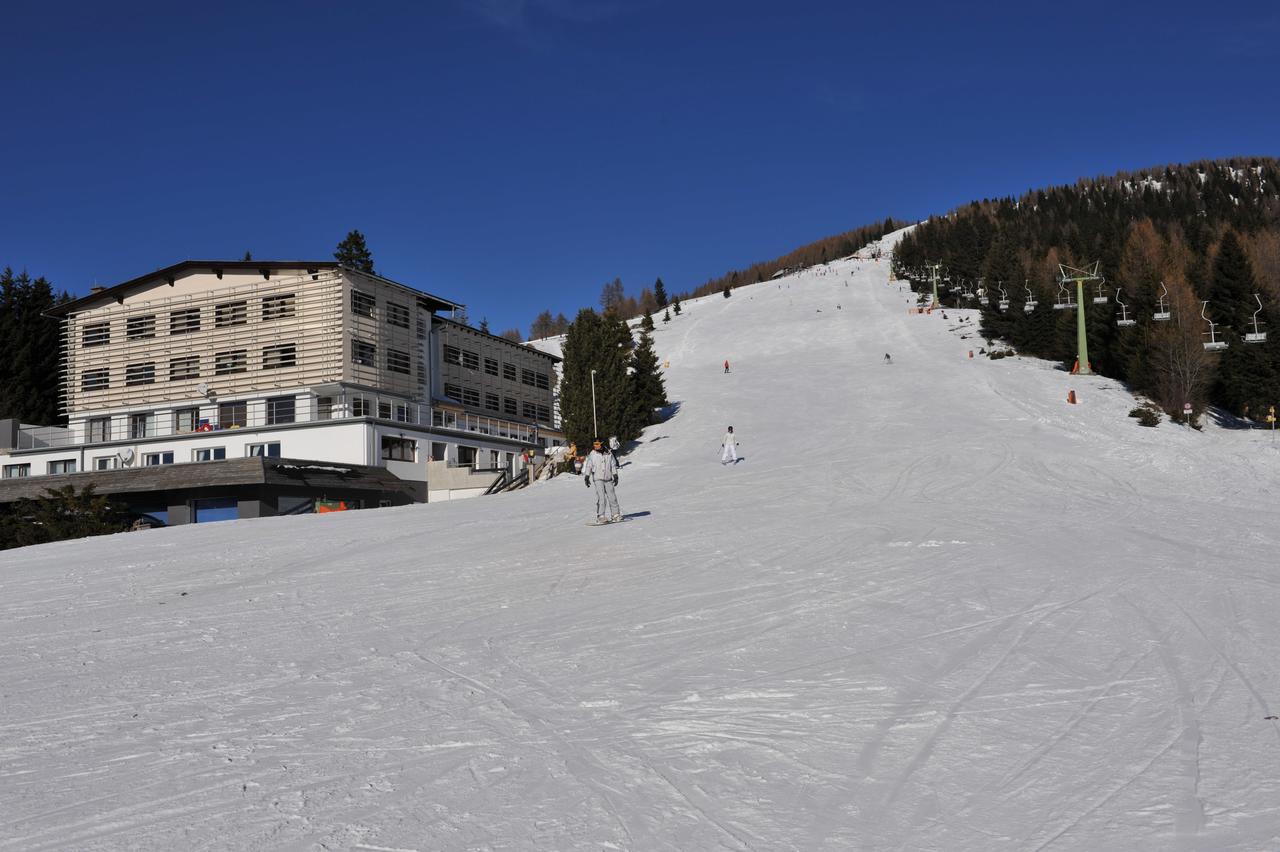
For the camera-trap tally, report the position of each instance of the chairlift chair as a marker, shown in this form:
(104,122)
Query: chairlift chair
(1124,321)
(1003,304)
(1030,304)
(1256,336)
(1162,305)
(1099,297)
(1063,300)
(1213,344)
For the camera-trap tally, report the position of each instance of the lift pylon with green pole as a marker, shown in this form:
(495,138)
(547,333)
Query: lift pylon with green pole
(933,274)
(1069,274)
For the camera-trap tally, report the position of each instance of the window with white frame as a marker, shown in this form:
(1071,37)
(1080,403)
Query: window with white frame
(141,425)
(140,374)
(397,361)
(99,429)
(324,408)
(231,361)
(362,304)
(62,466)
(186,419)
(402,412)
(231,313)
(277,307)
(204,454)
(276,357)
(156,459)
(95,334)
(140,327)
(106,462)
(384,410)
(16,471)
(360,406)
(187,367)
(397,315)
(184,321)
(268,450)
(280,410)
(398,449)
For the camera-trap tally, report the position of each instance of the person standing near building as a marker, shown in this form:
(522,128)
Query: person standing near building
(601,471)
(729,452)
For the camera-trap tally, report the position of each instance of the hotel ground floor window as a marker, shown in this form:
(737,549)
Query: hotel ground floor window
(17,471)
(437,451)
(216,509)
(398,449)
(466,456)
(65,466)
(106,463)
(269,450)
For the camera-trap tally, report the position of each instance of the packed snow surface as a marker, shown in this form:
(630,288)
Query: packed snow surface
(933,607)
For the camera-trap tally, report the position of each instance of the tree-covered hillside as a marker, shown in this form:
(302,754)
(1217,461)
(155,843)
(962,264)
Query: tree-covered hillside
(1172,238)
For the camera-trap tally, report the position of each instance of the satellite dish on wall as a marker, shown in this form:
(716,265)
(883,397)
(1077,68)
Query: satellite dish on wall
(126,455)
(203,388)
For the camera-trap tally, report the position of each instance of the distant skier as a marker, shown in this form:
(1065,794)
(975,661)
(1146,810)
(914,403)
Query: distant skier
(726,365)
(601,470)
(887,359)
(729,452)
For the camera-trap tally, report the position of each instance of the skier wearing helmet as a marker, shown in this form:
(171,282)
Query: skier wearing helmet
(729,453)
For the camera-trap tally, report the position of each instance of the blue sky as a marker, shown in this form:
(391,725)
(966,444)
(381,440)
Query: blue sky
(515,155)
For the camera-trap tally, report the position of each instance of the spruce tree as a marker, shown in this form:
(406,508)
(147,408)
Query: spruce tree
(29,373)
(648,391)
(1246,381)
(647,322)
(484,324)
(675,305)
(602,344)
(354,253)
(666,315)
(660,293)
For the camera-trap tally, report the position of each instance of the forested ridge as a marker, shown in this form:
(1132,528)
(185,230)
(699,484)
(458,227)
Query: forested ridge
(1202,232)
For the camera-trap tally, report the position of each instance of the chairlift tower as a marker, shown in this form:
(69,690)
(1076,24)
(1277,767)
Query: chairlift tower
(1069,275)
(933,275)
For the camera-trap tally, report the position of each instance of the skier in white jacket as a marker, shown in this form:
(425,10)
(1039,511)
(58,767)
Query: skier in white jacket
(601,470)
(729,453)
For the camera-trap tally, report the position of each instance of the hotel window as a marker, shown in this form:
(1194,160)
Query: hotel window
(184,321)
(528,377)
(92,380)
(184,368)
(106,462)
(490,366)
(231,313)
(96,334)
(324,408)
(231,361)
(140,374)
(542,381)
(454,392)
(138,328)
(232,414)
(280,410)
(271,450)
(209,454)
(422,328)
(471,396)
(140,425)
(529,411)
(466,455)
(277,307)
(452,355)
(17,471)
(470,360)
(62,466)
(509,407)
(544,414)
(156,459)
(384,410)
(397,315)
(397,361)
(365,354)
(275,357)
(402,412)
(362,304)
(509,372)
(186,419)
(492,402)
(99,430)
(399,449)
(360,407)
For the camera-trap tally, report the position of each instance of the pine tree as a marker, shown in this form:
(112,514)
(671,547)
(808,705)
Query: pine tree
(666,315)
(660,293)
(647,388)
(647,322)
(353,253)
(29,373)
(484,324)
(675,305)
(602,344)
(726,291)
(248,255)
(1246,381)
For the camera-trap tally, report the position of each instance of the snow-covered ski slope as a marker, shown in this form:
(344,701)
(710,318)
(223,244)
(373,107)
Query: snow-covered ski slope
(934,607)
